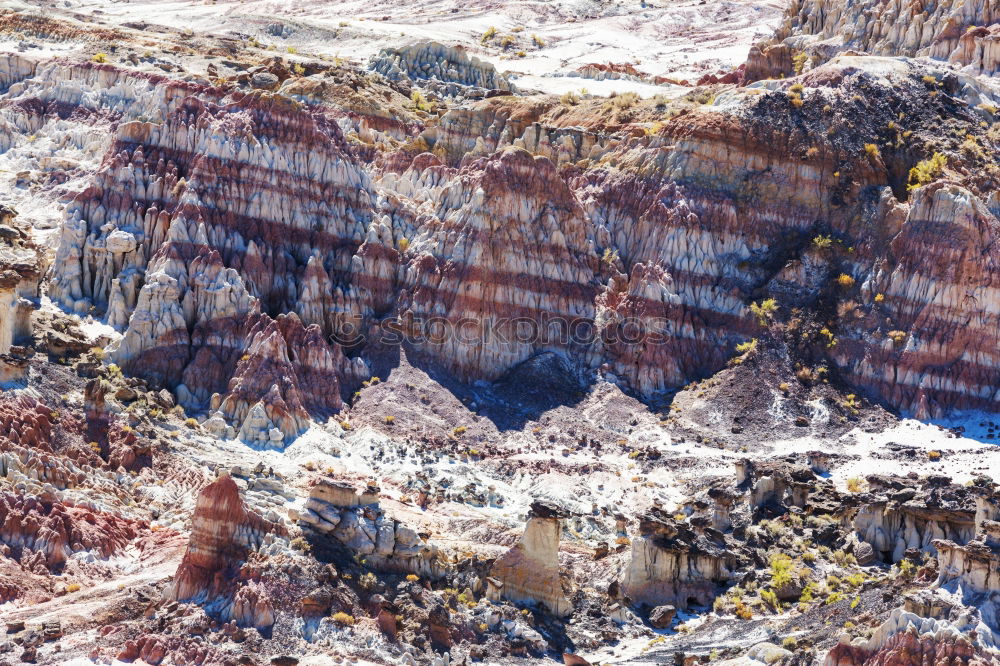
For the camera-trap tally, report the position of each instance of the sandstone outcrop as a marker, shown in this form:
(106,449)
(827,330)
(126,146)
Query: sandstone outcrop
(907,639)
(223,534)
(529,572)
(432,62)
(245,304)
(20,271)
(527,299)
(672,564)
(42,534)
(908,516)
(957,31)
(185,262)
(338,510)
(955,620)
(530,123)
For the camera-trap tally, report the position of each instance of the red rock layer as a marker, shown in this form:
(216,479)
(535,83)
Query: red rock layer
(197,224)
(41,533)
(940,291)
(207,225)
(505,270)
(223,533)
(27,430)
(907,648)
(288,365)
(950,30)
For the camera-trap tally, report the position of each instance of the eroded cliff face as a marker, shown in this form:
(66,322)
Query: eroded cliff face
(955,620)
(189,236)
(956,31)
(251,254)
(671,564)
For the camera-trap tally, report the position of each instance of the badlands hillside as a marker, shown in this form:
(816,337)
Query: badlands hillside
(537,332)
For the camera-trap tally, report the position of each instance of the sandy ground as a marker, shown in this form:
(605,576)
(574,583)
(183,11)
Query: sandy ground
(681,39)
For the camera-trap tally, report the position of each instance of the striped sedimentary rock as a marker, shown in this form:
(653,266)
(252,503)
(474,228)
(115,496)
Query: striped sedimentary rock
(201,226)
(937,279)
(232,236)
(41,533)
(954,30)
(505,268)
(223,533)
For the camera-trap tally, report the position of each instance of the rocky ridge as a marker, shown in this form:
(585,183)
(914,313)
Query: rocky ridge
(402,363)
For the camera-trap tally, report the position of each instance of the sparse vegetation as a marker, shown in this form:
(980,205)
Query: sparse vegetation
(926,171)
(781,570)
(746,347)
(905,569)
(624,100)
(898,337)
(764,310)
(343,619)
(799,61)
(743,611)
(569,98)
(822,242)
(490,33)
(420,102)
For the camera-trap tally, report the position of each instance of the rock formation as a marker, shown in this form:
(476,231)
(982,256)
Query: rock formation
(529,572)
(908,517)
(671,564)
(245,299)
(223,533)
(956,31)
(186,266)
(336,509)
(519,302)
(957,619)
(20,270)
(428,60)
(41,534)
